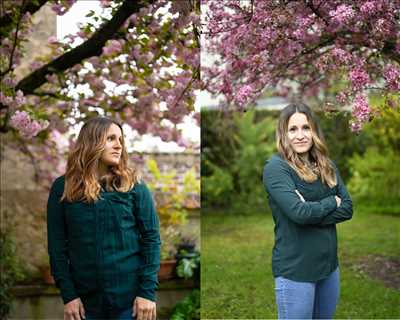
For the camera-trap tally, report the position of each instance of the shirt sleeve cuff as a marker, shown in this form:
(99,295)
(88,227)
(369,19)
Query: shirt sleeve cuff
(67,290)
(147,290)
(147,294)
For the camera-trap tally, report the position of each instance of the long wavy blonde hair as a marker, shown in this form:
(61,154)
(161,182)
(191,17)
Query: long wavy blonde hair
(81,176)
(319,151)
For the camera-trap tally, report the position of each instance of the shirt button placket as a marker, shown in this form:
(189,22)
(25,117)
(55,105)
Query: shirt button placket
(99,249)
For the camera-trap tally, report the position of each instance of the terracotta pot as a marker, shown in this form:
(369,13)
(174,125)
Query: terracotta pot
(46,275)
(167,269)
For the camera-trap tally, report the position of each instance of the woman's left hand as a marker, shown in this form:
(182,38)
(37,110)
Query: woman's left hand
(144,309)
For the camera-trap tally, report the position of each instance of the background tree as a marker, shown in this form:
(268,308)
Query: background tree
(138,61)
(337,52)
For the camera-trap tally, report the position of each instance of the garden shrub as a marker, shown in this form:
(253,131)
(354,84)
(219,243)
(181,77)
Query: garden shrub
(234,177)
(375,182)
(10,272)
(188,308)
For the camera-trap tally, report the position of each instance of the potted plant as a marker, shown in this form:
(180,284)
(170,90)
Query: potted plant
(169,237)
(188,260)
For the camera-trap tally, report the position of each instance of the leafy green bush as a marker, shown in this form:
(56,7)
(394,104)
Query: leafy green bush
(10,272)
(235,180)
(375,181)
(188,308)
(217,187)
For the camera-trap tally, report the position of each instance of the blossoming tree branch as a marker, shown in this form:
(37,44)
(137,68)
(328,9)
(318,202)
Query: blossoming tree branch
(140,64)
(340,50)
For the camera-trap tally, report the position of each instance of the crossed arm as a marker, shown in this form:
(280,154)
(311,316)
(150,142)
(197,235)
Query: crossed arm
(281,188)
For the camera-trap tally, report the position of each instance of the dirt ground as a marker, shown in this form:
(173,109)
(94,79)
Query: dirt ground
(381,268)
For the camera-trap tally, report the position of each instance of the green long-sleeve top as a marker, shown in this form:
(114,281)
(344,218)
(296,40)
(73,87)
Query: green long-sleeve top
(305,246)
(109,249)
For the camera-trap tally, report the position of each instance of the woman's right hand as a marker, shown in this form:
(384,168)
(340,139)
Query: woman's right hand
(338,201)
(74,310)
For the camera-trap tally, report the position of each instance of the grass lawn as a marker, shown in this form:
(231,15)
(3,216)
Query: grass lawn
(236,277)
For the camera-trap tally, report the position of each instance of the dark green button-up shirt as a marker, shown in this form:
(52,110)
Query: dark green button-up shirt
(109,249)
(305,246)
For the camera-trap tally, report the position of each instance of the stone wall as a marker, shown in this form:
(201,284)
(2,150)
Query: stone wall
(41,302)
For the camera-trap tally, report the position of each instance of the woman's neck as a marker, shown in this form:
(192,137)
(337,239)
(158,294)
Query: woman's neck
(101,170)
(305,157)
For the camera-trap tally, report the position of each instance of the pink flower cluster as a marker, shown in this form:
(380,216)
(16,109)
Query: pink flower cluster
(113,47)
(368,8)
(359,78)
(60,140)
(341,55)
(27,126)
(392,77)
(52,40)
(15,102)
(243,95)
(342,14)
(61,7)
(5,100)
(361,113)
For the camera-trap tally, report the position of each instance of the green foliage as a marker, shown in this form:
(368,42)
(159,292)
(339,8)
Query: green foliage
(376,180)
(234,177)
(385,130)
(188,264)
(170,237)
(171,209)
(217,187)
(188,308)
(10,272)
(171,203)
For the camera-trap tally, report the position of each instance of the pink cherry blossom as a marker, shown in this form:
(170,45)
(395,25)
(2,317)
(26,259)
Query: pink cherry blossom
(392,77)
(243,95)
(361,112)
(28,127)
(9,81)
(60,140)
(342,14)
(342,97)
(137,65)
(265,45)
(4,99)
(113,47)
(62,6)
(52,40)
(368,8)
(359,78)
(341,55)
(19,99)
(58,9)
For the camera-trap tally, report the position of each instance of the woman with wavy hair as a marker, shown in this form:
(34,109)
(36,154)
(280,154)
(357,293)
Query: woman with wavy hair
(307,198)
(103,230)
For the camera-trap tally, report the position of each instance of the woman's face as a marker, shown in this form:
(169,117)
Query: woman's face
(113,146)
(299,133)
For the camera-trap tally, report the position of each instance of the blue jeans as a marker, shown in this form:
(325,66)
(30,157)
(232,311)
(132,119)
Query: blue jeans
(307,300)
(111,314)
